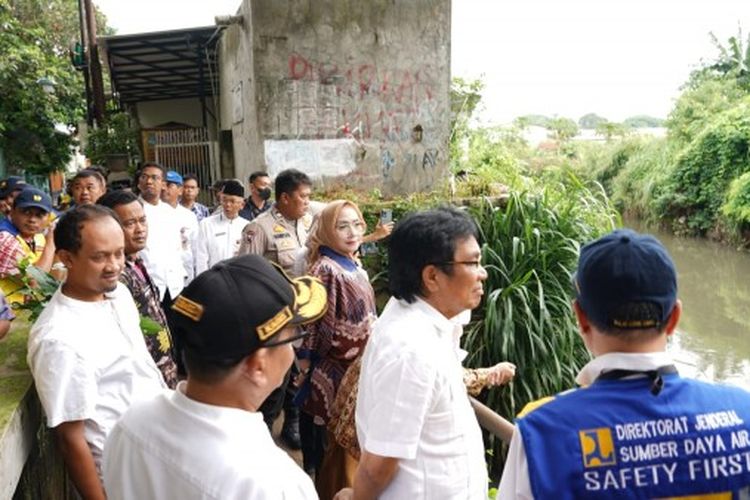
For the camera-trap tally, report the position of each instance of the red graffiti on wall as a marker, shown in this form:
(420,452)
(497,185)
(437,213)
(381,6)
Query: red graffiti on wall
(396,85)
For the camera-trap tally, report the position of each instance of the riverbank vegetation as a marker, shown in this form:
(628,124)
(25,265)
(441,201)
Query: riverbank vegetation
(695,179)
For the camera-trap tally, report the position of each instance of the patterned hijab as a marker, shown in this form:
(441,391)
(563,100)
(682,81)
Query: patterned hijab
(323,232)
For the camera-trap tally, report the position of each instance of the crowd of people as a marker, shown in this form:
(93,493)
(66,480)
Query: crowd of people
(181,333)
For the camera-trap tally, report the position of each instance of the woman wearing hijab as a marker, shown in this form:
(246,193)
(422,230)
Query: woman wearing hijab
(335,341)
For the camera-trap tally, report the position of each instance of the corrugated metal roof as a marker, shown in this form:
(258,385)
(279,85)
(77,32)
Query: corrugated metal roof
(163,65)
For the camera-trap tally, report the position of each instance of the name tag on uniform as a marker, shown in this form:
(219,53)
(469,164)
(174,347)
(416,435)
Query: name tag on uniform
(220,234)
(281,236)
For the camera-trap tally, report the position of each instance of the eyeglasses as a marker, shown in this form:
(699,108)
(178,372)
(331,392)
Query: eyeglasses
(355,227)
(153,177)
(473,264)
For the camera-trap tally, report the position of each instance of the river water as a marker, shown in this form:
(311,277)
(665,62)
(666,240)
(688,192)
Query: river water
(713,280)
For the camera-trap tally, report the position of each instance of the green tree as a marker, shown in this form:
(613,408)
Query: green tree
(562,129)
(612,130)
(643,121)
(591,121)
(533,120)
(34,39)
(734,59)
(465,97)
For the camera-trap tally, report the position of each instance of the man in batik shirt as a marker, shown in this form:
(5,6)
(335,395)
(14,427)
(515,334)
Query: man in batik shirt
(135,277)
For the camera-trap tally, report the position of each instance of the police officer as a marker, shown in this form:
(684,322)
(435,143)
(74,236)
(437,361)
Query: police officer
(279,234)
(637,429)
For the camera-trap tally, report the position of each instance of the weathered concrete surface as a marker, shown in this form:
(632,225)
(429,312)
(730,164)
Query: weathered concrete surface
(341,89)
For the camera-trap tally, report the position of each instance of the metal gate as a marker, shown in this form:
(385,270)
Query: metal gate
(186,150)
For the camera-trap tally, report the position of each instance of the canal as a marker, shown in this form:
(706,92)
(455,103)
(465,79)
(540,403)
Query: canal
(713,338)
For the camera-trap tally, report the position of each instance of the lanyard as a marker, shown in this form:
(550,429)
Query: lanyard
(657,382)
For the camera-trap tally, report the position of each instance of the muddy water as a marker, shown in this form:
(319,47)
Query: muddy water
(713,340)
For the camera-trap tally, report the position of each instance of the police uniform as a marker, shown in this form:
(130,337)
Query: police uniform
(616,438)
(276,238)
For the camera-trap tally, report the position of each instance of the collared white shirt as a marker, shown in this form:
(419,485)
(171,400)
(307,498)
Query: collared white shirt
(188,224)
(90,363)
(515,483)
(218,239)
(412,405)
(173,447)
(164,243)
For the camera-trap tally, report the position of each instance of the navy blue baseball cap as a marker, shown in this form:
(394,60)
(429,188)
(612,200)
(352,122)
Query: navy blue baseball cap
(12,183)
(33,197)
(625,267)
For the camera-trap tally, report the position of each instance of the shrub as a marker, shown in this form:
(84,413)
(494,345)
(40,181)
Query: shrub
(737,206)
(703,171)
(642,179)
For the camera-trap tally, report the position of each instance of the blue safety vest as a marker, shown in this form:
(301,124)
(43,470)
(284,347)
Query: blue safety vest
(616,439)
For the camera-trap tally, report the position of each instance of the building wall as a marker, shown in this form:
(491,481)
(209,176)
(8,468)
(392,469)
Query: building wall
(187,111)
(345,90)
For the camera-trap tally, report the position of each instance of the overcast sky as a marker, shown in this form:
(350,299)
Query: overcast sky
(616,58)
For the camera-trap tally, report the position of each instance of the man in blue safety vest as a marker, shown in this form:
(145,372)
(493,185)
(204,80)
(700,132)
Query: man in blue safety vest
(636,429)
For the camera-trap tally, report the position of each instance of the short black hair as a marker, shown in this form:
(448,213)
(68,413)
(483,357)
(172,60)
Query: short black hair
(153,165)
(421,239)
(257,174)
(68,229)
(190,177)
(208,371)
(116,198)
(289,180)
(90,172)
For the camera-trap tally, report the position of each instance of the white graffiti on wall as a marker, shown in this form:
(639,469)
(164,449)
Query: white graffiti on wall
(317,158)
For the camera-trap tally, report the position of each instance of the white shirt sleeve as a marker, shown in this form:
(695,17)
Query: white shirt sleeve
(201,247)
(402,390)
(66,384)
(515,484)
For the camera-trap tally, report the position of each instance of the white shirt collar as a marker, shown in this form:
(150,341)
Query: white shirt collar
(622,361)
(451,329)
(227,416)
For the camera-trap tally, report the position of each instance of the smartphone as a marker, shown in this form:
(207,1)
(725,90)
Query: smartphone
(386,216)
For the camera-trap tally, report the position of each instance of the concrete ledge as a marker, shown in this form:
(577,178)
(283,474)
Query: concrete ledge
(30,465)
(18,434)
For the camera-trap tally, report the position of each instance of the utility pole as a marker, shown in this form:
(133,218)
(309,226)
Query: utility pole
(95,67)
(86,78)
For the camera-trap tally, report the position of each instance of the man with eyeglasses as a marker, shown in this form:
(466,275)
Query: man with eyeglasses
(164,244)
(417,431)
(220,235)
(207,439)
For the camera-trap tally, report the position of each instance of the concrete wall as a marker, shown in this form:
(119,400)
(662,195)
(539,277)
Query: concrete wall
(341,89)
(187,111)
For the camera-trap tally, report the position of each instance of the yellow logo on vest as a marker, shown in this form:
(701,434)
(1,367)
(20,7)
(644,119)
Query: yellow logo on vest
(597,447)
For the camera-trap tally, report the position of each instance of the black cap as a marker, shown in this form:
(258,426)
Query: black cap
(240,305)
(33,197)
(233,188)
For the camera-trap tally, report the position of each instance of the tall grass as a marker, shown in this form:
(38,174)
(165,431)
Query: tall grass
(530,250)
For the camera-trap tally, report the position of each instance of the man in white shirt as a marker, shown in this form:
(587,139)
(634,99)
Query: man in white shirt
(416,428)
(220,235)
(164,240)
(86,351)
(186,219)
(207,439)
